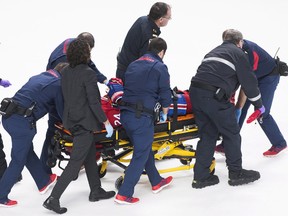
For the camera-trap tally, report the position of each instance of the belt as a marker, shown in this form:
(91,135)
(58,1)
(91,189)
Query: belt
(26,112)
(21,110)
(204,86)
(136,107)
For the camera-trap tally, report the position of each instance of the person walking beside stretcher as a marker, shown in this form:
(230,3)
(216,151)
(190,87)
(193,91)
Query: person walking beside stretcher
(82,116)
(59,55)
(39,96)
(3,163)
(266,70)
(147,83)
(220,74)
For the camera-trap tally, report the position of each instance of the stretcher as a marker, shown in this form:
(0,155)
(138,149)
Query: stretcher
(169,138)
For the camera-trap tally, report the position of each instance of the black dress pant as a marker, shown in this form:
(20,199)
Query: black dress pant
(83,153)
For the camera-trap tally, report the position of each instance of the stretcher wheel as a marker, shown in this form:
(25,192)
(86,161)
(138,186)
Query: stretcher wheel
(101,172)
(185,162)
(119,182)
(51,162)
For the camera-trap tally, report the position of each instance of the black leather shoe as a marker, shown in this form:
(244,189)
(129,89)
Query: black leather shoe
(53,204)
(101,194)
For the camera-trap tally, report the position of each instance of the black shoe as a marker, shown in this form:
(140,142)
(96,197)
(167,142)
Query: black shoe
(53,204)
(242,177)
(211,180)
(101,194)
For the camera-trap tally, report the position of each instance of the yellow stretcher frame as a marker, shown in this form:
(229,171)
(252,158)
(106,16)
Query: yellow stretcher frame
(168,143)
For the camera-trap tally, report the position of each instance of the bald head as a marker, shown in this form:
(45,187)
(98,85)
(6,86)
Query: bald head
(88,37)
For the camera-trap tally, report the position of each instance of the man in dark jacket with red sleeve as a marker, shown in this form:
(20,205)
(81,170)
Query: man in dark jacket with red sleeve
(221,72)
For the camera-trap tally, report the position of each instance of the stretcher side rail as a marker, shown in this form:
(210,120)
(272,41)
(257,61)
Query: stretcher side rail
(172,131)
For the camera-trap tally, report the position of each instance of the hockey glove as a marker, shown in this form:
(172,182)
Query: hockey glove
(256,114)
(115,91)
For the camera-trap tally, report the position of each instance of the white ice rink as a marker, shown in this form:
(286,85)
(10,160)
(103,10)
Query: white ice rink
(31,29)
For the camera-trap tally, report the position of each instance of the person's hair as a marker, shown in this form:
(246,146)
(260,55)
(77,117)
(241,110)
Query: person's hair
(78,52)
(158,10)
(232,35)
(60,66)
(156,45)
(88,37)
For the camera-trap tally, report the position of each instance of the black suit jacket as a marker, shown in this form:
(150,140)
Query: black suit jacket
(82,100)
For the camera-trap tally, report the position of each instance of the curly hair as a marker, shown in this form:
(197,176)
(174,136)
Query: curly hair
(78,52)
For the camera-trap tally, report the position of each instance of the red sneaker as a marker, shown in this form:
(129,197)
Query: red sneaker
(220,149)
(163,183)
(9,203)
(273,151)
(53,179)
(125,200)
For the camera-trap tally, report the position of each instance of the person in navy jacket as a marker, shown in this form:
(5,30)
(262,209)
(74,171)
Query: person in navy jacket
(142,31)
(39,96)
(147,83)
(265,69)
(57,56)
(218,77)
(3,163)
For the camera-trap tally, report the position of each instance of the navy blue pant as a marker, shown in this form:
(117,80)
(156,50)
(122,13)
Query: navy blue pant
(267,87)
(141,134)
(214,117)
(22,154)
(3,163)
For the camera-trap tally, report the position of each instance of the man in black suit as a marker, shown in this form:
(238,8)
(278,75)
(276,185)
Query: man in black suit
(82,115)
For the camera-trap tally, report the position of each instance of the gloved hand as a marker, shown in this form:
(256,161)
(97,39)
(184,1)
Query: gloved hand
(116,80)
(238,114)
(109,129)
(163,117)
(115,86)
(5,83)
(256,114)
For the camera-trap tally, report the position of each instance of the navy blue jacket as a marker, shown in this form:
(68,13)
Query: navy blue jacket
(262,63)
(59,55)
(147,80)
(227,67)
(137,40)
(45,90)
